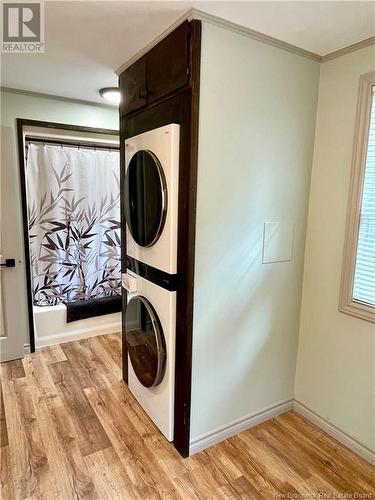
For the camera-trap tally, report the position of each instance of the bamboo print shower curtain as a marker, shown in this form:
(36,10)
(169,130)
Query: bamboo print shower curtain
(74,222)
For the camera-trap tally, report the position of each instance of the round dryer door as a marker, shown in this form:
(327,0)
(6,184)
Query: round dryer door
(145,198)
(145,341)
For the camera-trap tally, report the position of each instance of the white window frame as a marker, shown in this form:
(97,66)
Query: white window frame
(347,304)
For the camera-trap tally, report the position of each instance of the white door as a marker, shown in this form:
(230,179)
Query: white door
(13,311)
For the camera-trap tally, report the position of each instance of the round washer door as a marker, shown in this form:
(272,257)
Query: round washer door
(145,198)
(145,341)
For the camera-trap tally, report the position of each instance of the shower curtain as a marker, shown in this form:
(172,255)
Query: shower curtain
(74,222)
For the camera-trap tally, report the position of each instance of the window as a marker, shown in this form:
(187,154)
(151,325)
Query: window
(358,276)
(364,273)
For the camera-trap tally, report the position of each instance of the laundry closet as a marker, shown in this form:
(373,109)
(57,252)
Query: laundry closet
(216,138)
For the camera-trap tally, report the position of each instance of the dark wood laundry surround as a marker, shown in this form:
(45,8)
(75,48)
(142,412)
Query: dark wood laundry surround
(160,88)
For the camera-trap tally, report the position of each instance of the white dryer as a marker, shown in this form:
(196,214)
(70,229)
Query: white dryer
(150,339)
(151,197)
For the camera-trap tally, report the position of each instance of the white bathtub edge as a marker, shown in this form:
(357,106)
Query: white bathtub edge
(83,333)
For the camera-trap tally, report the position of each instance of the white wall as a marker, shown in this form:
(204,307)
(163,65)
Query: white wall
(336,356)
(257,121)
(14,105)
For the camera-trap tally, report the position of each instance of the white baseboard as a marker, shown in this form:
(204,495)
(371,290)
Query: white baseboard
(221,433)
(336,433)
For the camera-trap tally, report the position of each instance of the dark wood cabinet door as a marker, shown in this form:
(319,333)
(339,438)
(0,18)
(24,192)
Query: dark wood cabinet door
(167,64)
(133,87)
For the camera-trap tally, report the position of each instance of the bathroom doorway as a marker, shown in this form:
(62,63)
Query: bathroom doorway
(70,193)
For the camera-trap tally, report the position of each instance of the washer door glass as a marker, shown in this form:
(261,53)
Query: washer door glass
(145,198)
(145,341)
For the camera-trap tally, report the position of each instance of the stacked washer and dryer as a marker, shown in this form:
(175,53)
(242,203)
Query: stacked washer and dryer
(151,206)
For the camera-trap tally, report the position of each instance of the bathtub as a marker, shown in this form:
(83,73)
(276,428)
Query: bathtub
(51,326)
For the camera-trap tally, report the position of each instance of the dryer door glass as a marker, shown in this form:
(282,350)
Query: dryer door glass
(145,341)
(145,198)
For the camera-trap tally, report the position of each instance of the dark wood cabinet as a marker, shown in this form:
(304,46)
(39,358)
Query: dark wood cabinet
(133,87)
(164,69)
(167,64)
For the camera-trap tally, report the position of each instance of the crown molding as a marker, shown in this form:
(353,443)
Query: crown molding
(222,23)
(31,93)
(185,17)
(254,35)
(350,48)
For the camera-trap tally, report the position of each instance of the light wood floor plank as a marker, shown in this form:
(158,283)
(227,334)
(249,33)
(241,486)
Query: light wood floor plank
(52,354)
(4,441)
(265,464)
(264,455)
(12,370)
(69,473)
(70,429)
(29,460)
(339,473)
(7,481)
(330,446)
(263,483)
(132,450)
(107,473)
(245,489)
(91,435)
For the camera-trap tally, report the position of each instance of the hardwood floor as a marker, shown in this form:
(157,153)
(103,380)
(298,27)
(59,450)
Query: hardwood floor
(70,429)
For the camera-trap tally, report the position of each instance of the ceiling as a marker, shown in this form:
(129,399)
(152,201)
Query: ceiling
(86,41)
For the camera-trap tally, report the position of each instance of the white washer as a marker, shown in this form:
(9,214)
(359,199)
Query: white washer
(151,197)
(151,339)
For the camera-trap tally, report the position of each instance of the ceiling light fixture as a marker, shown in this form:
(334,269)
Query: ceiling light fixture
(111,94)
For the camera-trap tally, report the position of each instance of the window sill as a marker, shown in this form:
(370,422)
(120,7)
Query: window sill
(358,310)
